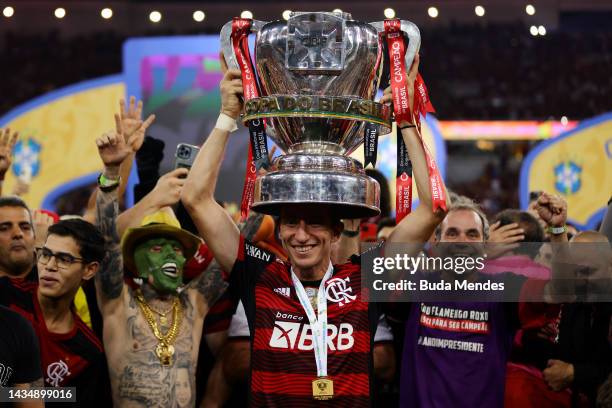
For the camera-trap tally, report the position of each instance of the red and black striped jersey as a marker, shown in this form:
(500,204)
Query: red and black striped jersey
(73,359)
(282,359)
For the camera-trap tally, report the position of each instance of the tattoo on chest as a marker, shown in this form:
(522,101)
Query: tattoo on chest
(142,380)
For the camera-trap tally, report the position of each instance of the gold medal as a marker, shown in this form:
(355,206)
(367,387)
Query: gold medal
(322,388)
(165,349)
(164,353)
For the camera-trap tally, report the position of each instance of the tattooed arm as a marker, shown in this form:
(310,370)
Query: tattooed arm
(207,287)
(112,149)
(110,277)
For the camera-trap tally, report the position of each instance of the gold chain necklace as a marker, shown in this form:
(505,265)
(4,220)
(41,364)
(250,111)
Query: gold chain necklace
(163,320)
(165,348)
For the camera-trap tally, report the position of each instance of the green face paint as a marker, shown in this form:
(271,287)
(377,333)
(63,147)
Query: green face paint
(163,259)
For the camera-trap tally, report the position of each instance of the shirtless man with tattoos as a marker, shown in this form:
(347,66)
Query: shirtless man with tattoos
(151,334)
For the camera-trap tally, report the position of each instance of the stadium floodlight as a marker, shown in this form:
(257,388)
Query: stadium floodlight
(8,12)
(155,16)
(286,14)
(533,30)
(60,12)
(389,13)
(529,9)
(106,13)
(432,12)
(246,14)
(199,16)
(542,30)
(479,10)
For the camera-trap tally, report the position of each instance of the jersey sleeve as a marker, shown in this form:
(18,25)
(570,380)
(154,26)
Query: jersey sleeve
(251,262)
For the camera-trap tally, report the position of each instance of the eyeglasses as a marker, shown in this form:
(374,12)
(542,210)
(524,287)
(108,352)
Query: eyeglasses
(62,259)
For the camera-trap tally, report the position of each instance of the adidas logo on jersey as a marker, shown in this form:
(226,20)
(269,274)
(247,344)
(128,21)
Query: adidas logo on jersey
(283,291)
(292,335)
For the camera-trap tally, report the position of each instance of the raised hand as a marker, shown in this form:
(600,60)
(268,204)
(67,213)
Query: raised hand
(7,143)
(42,221)
(112,149)
(503,239)
(231,90)
(21,187)
(387,97)
(129,124)
(552,209)
(167,191)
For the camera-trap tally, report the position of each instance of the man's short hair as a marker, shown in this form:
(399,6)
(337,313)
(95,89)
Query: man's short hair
(459,203)
(531,226)
(14,201)
(89,239)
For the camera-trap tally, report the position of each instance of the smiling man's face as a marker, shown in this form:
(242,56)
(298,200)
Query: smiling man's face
(16,241)
(163,260)
(307,234)
(461,235)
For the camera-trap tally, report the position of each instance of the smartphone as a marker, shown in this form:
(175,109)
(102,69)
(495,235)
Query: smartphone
(185,155)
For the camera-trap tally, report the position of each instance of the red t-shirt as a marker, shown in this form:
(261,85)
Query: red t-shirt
(73,359)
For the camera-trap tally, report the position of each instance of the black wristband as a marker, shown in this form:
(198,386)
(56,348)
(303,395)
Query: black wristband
(350,234)
(407,127)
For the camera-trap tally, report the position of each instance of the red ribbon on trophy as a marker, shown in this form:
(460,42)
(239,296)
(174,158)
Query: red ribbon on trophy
(370,132)
(258,146)
(403,113)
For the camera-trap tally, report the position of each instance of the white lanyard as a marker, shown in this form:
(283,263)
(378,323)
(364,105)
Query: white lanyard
(318,323)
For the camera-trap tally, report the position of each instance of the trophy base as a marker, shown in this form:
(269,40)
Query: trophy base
(337,183)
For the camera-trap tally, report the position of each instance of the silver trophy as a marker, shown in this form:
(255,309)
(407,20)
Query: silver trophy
(318,76)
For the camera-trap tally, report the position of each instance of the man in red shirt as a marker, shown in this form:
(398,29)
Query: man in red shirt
(71,354)
(310,327)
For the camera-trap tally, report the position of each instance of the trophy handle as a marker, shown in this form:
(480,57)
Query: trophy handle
(226,42)
(411,31)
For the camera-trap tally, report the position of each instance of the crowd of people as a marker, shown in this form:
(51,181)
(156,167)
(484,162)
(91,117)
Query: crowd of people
(154,307)
(485,72)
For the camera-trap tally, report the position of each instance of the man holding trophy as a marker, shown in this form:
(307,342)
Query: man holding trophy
(311,327)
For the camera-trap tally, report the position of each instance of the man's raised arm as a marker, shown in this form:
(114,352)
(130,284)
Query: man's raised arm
(213,222)
(418,226)
(112,149)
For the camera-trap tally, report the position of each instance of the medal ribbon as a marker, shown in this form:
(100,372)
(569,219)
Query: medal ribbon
(258,148)
(318,322)
(370,132)
(403,180)
(401,106)
(370,144)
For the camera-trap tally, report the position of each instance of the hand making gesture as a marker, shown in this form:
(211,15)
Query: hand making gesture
(113,150)
(7,143)
(128,122)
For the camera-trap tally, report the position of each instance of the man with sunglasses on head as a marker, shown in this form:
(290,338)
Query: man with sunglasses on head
(71,354)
